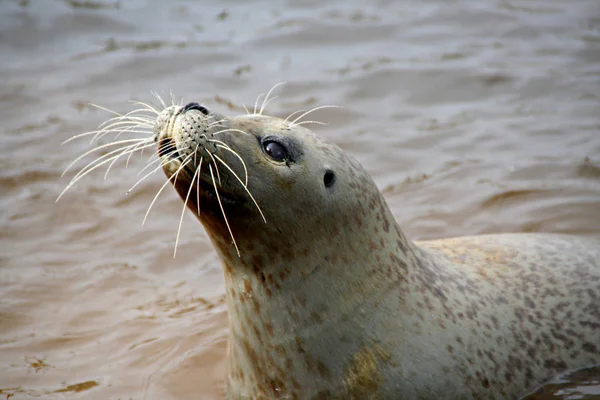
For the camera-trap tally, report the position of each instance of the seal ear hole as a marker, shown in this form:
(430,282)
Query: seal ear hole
(329,178)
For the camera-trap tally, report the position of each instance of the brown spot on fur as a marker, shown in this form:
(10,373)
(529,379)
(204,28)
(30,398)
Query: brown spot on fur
(590,347)
(323,370)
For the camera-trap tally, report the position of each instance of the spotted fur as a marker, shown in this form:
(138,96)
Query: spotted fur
(328,299)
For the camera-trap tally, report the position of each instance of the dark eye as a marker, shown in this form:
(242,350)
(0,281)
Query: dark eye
(329,178)
(276,151)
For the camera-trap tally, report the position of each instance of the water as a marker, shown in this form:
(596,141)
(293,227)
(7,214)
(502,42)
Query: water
(472,117)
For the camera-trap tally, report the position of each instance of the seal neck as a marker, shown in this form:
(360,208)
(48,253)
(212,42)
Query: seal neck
(318,304)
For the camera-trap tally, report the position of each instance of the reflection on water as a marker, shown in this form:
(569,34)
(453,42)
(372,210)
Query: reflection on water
(471,116)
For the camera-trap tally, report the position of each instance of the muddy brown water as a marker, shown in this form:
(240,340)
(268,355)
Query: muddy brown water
(472,117)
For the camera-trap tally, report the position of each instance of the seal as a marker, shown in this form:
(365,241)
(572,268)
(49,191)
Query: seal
(328,299)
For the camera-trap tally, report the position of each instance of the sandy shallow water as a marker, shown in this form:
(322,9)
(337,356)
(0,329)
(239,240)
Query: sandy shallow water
(472,117)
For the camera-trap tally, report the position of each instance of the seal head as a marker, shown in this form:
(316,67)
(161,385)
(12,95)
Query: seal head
(328,299)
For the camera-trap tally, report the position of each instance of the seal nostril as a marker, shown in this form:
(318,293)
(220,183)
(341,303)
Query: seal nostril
(329,178)
(166,147)
(195,106)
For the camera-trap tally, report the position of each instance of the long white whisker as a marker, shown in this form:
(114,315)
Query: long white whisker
(103,159)
(87,169)
(131,128)
(292,114)
(156,197)
(198,184)
(309,122)
(172,146)
(118,115)
(231,130)
(256,102)
(222,209)
(99,131)
(176,174)
(127,117)
(131,151)
(266,100)
(162,103)
(216,122)
(183,211)
(226,147)
(265,104)
(217,169)
(183,164)
(171,150)
(150,144)
(311,111)
(112,126)
(162,164)
(99,148)
(243,185)
(246,108)
(147,106)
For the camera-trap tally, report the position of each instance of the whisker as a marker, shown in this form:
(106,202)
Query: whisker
(226,147)
(198,184)
(266,101)
(162,164)
(147,106)
(113,112)
(171,148)
(246,108)
(127,126)
(155,94)
(292,114)
(143,111)
(136,148)
(104,159)
(217,169)
(183,164)
(150,144)
(256,102)
(130,129)
(102,130)
(310,111)
(156,197)
(266,104)
(222,209)
(175,175)
(88,168)
(120,117)
(99,148)
(183,212)
(231,130)
(244,186)
(131,117)
(309,122)
(216,122)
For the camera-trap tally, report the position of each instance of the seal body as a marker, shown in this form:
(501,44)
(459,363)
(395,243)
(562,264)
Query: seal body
(328,299)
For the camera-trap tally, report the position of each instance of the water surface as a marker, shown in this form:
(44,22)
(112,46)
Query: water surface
(472,117)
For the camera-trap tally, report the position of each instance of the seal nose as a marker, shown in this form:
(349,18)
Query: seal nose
(194,106)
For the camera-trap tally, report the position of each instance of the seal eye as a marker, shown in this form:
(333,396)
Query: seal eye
(329,178)
(275,150)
